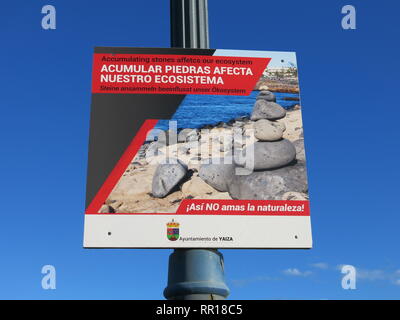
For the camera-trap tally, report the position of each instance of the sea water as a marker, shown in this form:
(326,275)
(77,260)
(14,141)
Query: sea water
(196,111)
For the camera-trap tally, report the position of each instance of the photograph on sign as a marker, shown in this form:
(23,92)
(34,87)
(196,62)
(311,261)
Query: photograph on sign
(196,148)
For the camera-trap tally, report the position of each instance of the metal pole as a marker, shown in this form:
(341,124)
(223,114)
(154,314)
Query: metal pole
(196,274)
(189,24)
(193,274)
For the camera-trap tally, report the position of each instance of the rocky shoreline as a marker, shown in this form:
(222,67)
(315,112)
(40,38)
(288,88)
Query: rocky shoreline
(278,86)
(274,135)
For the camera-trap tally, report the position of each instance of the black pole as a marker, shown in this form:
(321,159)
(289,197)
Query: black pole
(189,24)
(193,274)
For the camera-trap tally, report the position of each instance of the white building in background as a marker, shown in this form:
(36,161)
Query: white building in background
(287,70)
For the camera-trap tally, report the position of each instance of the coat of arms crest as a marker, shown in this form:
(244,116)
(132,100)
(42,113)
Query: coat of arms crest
(173,230)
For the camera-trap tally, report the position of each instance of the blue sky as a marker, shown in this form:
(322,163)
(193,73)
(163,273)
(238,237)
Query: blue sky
(349,87)
(276,56)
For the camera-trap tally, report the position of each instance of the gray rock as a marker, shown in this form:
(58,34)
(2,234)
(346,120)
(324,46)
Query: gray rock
(225,146)
(221,124)
(266,130)
(166,138)
(266,95)
(279,124)
(183,134)
(166,177)
(217,176)
(193,137)
(300,152)
(271,155)
(267,110)
(270,184)
(153,149)
(242,118)
(238,145)
(172,137)
(106,209)
(291,195)
(184,149)
(226,138)
(188,135)
(152,135)
(238,124)
(141,154)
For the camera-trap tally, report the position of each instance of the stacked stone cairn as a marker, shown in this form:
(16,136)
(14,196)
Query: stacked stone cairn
(276,174)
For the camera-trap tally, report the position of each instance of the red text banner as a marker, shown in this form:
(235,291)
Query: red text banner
(245,207)
(176,74)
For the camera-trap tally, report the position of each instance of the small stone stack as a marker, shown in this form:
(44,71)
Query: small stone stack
(276,170)
(270,150)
